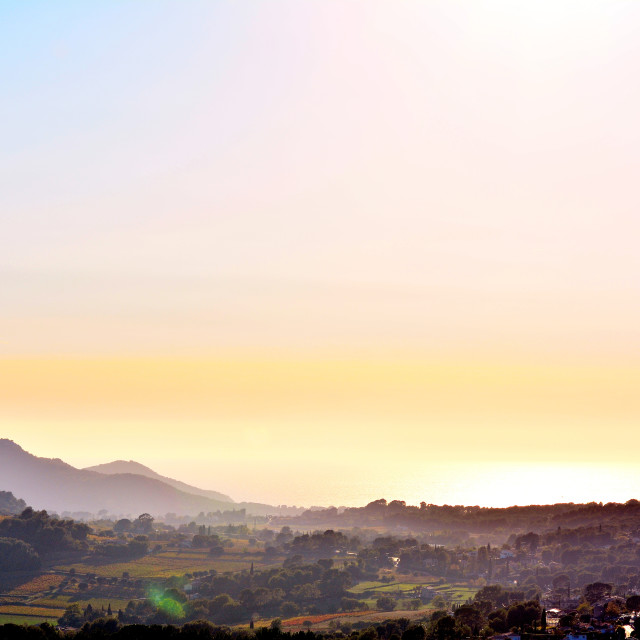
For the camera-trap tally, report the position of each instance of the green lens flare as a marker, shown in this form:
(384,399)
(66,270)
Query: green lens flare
(167,605)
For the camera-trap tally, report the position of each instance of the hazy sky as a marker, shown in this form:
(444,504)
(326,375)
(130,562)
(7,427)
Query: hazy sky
(244,240)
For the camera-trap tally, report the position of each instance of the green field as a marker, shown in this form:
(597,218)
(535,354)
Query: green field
(370,602)
(456,594)
(361,587)
(385,587)
(167,564)
(63,601)
(59,600)
(19,610)
(398,586)
(12,619)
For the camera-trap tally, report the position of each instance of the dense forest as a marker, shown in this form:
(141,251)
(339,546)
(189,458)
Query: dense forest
(471,519)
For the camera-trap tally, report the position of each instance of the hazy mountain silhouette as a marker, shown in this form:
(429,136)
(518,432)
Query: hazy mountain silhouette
(124,466)
(46,483)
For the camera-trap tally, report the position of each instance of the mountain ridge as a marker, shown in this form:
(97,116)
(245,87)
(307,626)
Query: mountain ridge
(131,466)
(52,484)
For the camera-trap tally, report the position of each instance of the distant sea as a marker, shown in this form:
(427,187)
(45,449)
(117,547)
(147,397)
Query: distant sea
(485,484)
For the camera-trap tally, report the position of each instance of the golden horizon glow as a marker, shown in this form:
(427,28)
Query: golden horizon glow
(218,417)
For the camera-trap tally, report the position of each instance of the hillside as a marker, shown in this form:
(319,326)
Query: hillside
(130,466)
(52,484)
(459,521)
(119,467)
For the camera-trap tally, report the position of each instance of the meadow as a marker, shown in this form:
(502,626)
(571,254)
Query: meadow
(168,563)
(26,619)
(454,593)
(28,609)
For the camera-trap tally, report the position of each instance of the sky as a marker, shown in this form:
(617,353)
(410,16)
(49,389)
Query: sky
(388,249)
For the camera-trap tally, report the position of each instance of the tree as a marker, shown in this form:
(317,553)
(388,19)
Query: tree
(386,603)
(349,604)
(498,620)
(482,558)
(414,632)
(122,526)
(72,617)
(335,582)
(633,603)
(567,620)
(494,594)
(16,555)
(45,533)
(596,591)
(445,628)
(470,616)
(276,624)
(175,594)
(144,523)
(523,613)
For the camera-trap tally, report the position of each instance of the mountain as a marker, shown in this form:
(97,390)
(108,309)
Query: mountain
(124,466)
(52,484)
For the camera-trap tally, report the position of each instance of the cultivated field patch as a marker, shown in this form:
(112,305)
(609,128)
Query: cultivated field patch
(14,609)
(299,621)
(167,564)
(38,584)
(28,620)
